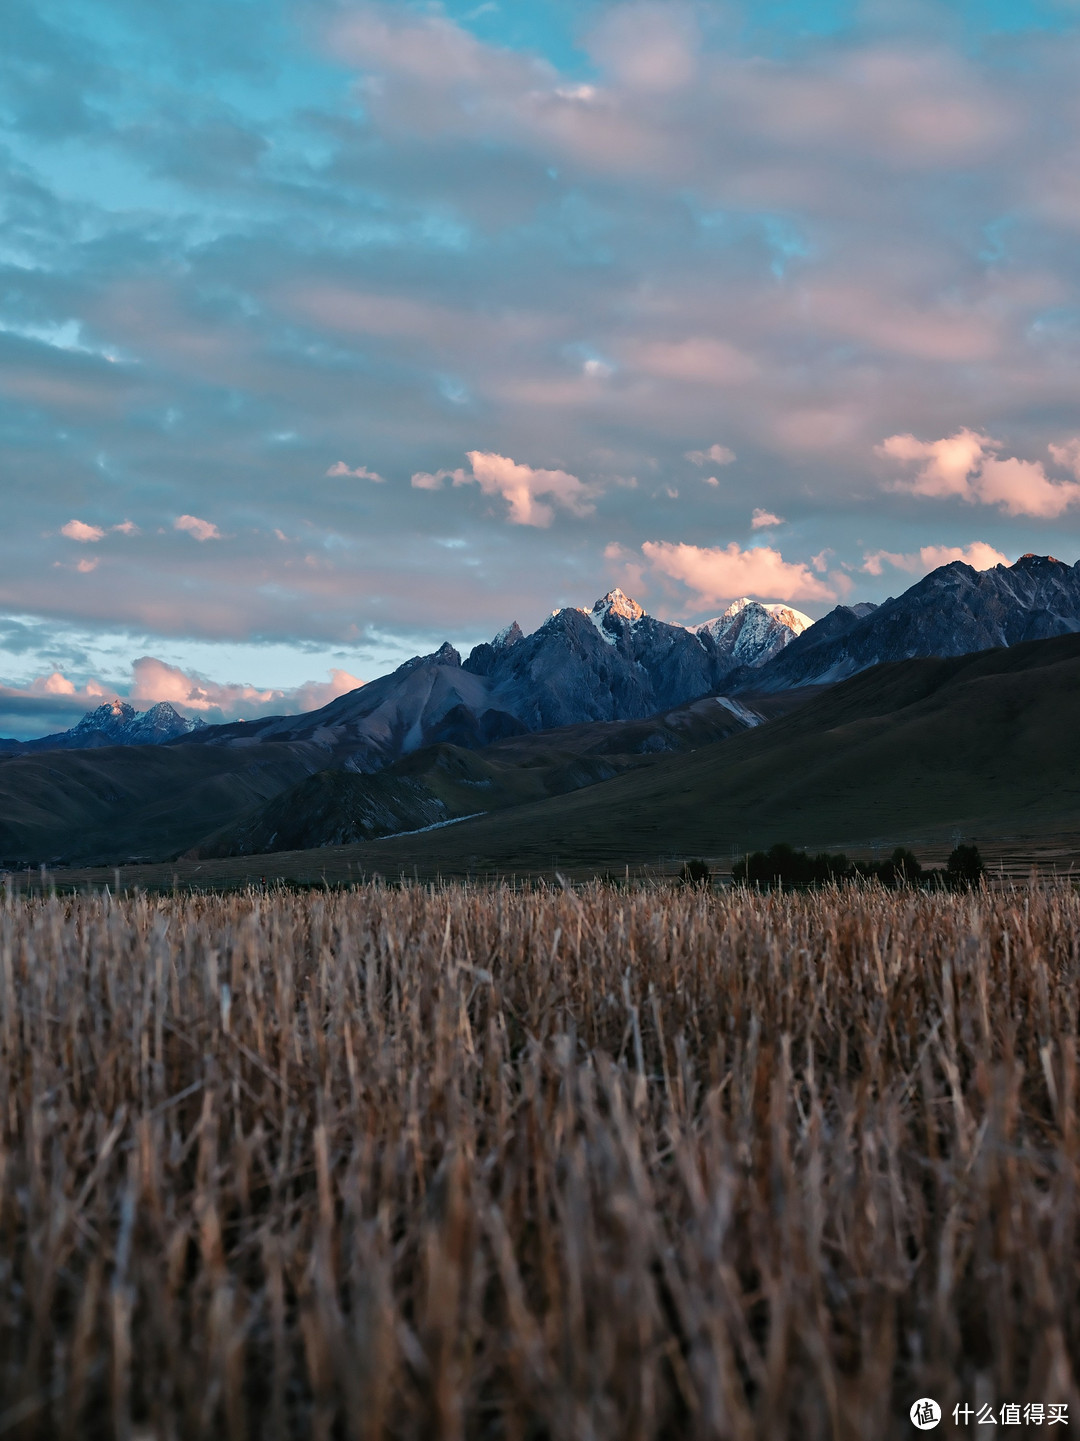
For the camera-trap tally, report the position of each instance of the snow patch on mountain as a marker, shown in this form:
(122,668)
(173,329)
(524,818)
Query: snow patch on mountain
(617,603)
(749,718)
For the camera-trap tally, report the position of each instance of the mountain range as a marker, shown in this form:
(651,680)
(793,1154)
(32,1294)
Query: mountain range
(116,723)
(615,662)
(917,752)
(587,696)
(954,610)
(611,663)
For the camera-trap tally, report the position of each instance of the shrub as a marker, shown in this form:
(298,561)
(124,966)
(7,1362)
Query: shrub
(695,873)
(901,869)
(782,865)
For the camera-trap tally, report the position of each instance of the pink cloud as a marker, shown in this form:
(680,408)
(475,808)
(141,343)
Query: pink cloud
(432,480)
(967,465)
(200,529)
(57,684)
(519,485)
(979,555)
(80,531)
(361,472)
(156,680)
(763,518)
(1067,455)
(899,325)
(647,47)
(720,573)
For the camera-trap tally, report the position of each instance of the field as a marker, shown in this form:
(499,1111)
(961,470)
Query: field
(463,1162)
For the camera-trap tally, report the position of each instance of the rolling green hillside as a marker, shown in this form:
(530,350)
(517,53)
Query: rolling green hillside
(441,782)
(112,804)
(119,802)
(987,744)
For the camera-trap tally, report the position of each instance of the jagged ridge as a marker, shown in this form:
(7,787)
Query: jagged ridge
(115,723)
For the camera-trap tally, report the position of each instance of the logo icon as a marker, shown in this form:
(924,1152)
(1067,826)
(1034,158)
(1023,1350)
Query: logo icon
(925,1414)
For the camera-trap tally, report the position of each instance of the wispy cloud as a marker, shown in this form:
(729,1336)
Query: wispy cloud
(435,236)
(360,472)
(717,454)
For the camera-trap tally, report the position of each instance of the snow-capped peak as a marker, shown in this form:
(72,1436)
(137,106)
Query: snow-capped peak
(795,621)
(617,603)
(784,615)
(751,632)
(509,635)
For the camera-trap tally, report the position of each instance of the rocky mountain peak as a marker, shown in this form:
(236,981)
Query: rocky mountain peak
(445,655)
(955,610)
(110,716)
(618,603)
(750,632)
(508,636)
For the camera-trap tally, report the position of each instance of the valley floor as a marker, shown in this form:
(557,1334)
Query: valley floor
(447,854)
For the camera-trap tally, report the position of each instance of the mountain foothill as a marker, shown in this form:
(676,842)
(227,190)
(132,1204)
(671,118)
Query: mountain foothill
(606,735)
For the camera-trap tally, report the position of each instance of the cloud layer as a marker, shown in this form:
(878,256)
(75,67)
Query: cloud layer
(330,325)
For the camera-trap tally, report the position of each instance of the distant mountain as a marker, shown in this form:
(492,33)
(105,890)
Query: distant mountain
(955,610)
(611,663)
(114,724)
(750,633)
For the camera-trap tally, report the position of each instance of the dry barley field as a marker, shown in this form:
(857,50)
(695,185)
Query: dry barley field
(544,1165)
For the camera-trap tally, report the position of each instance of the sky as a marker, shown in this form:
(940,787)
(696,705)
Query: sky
(332,330)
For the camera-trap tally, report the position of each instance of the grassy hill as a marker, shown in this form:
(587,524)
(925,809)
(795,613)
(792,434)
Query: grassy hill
(119,802)
(441,782)
(111,804)
(985,744)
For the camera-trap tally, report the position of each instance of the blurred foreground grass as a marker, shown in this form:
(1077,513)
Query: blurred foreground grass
(449,1162)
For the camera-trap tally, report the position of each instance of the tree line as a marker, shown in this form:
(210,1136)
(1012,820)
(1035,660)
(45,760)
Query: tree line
(782,865)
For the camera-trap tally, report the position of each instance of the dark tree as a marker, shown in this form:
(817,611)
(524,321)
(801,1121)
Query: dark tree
(695,873)
(782,865)
(901,869)
(964,867)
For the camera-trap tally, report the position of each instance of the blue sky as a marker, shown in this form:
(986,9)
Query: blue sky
(331,330)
